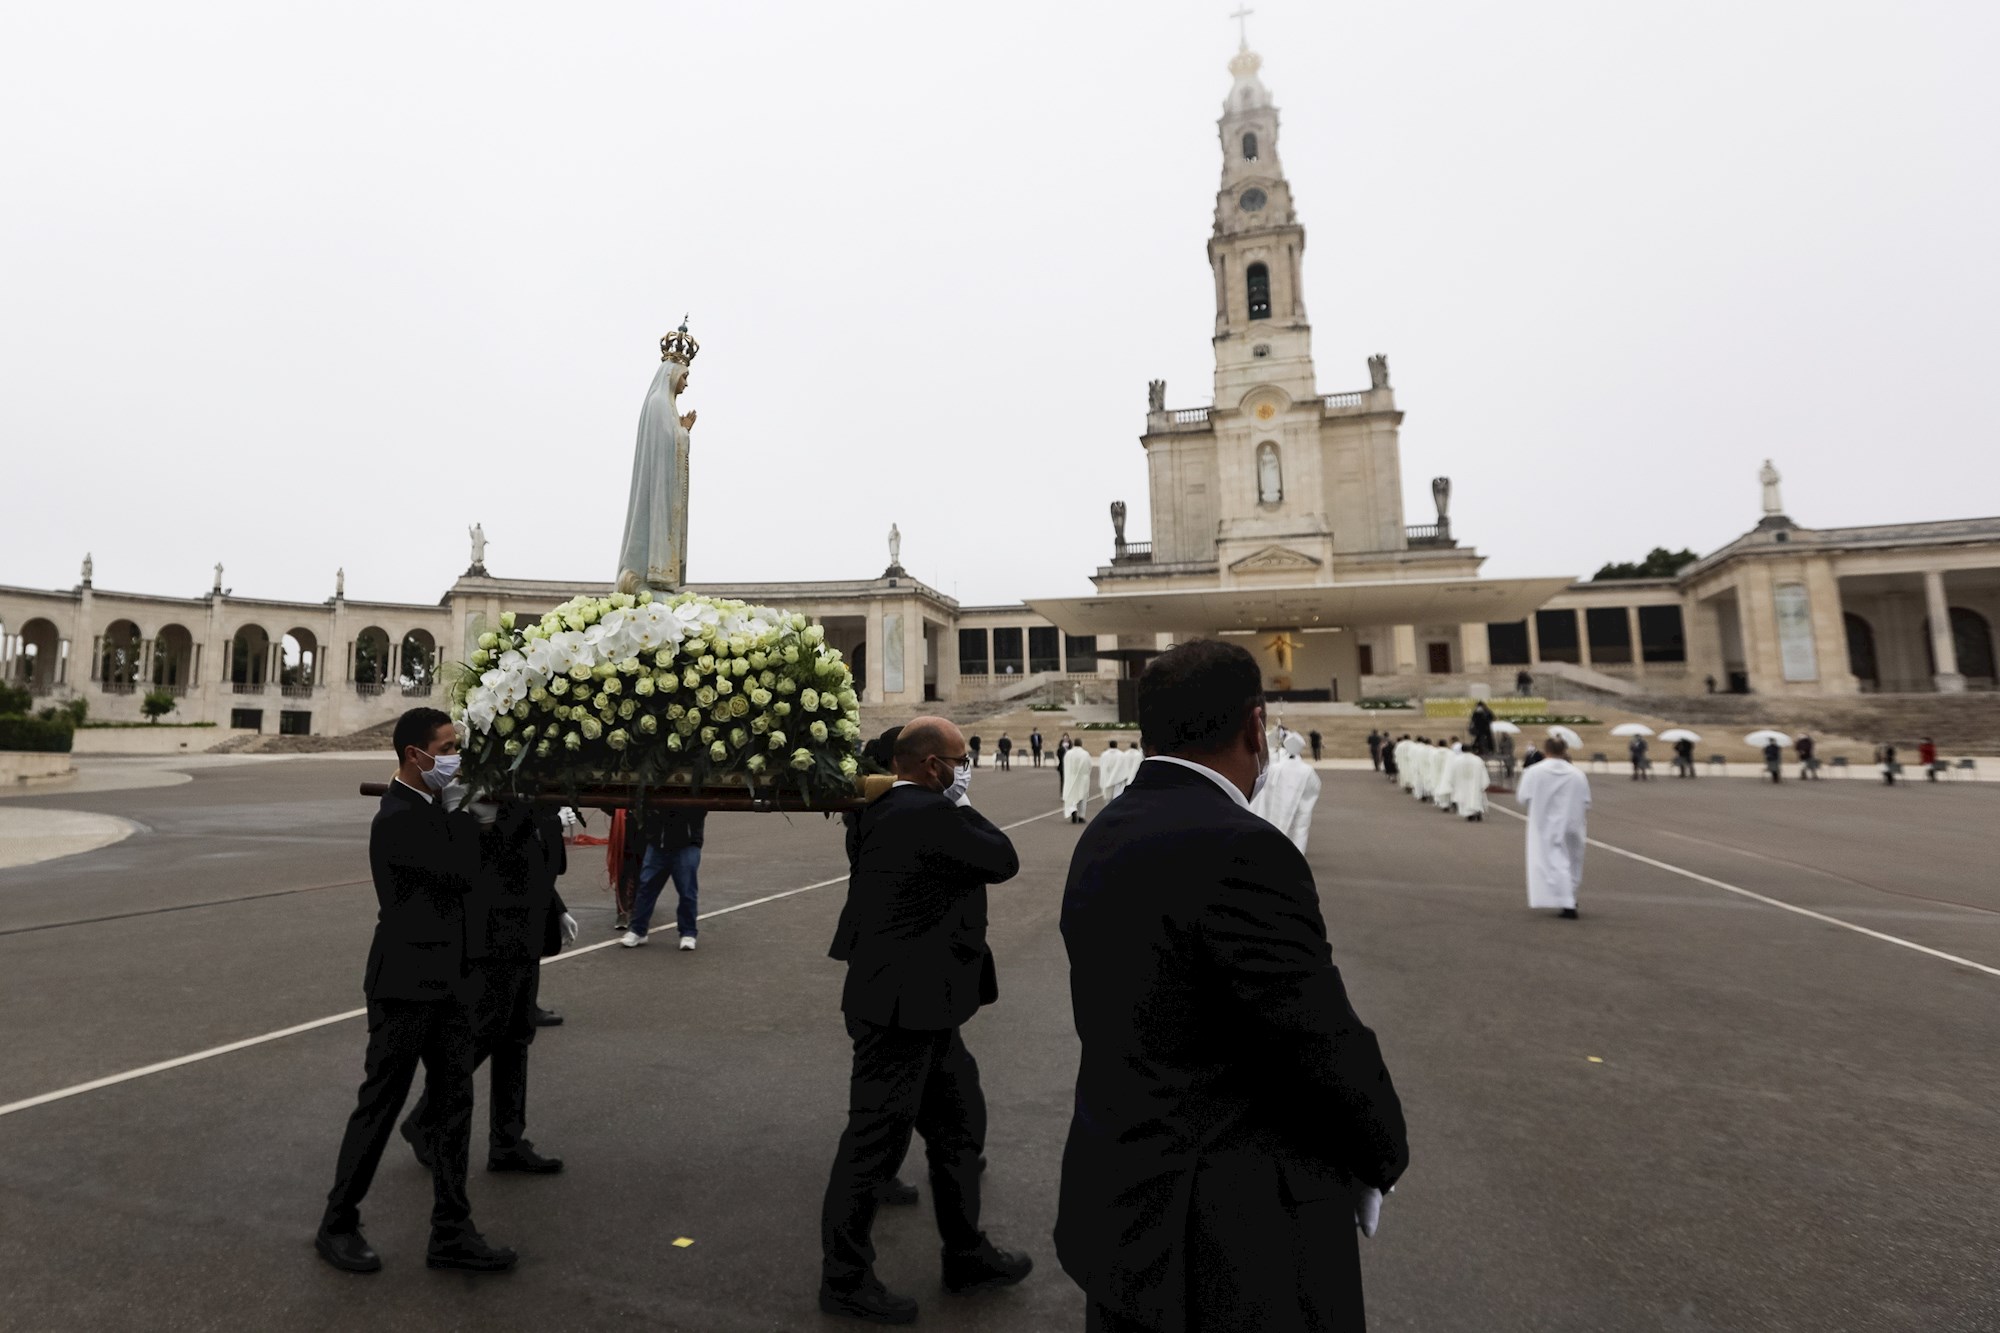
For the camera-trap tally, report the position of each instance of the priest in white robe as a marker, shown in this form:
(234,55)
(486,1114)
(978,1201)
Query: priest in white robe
(1442,793)
(1468,778)
(1129,760)
(1110,764)
(1076,783)
(1419,769)
(1556,795)
(1290,792)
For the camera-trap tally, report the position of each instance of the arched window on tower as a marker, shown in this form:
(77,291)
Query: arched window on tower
(1258,279)
(1250,148)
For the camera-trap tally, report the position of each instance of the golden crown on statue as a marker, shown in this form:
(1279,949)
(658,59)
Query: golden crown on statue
(679,345)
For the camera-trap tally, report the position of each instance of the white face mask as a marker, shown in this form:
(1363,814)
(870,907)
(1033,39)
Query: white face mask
(961,782)
(444,767)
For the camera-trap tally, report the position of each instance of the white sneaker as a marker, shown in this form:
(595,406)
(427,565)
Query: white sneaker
(633,939)
(687,941)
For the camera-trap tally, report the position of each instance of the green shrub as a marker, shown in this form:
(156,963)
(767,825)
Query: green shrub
(15,701)
(157,704)
(78,709)
(46,734)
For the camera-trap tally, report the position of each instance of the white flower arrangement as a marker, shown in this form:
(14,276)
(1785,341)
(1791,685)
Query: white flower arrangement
(656,691)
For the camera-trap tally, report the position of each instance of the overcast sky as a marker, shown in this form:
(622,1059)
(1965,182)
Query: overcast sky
(294,287)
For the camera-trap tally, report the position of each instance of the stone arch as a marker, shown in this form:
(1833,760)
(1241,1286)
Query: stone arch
(371,657)
(1250,146)
(299,663)
(419,663)
(1972,642)
(118,666)
(249,659)
(1257,290)
(1861,651)
(40,665)
(172,667)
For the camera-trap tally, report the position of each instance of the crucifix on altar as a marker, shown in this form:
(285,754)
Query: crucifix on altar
(1282,646)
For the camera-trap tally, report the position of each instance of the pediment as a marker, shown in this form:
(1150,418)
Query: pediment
(1274,558)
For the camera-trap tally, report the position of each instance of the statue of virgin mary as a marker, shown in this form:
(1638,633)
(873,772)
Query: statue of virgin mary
(654,552)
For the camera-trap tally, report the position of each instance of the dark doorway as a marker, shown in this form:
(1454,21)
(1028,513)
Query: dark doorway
(1861,651)
(1440,659)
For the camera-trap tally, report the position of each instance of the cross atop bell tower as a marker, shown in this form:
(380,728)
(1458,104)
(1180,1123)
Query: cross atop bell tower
(1256,249)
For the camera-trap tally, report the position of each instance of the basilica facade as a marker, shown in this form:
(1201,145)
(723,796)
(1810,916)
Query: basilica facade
(1277,521)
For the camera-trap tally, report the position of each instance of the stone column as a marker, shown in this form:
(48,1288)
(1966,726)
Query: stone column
(1757,622)
(947,675)
(1836,673)
(1406,650)
(1582,635)
(1534,641)
(1944,648)
(1638,645)
(1474,655)
(872,687)
(913,650)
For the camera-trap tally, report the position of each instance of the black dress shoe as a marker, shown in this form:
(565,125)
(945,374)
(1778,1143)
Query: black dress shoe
(547,1018)
(1568,914)
(408,1129)
(871,1301)
(526,1160)
(986,1267)
(897,1194)
(347,1250)
(468,1252)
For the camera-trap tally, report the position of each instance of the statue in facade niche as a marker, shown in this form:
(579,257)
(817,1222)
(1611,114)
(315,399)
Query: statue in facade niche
(1773,506)
(1378,371)
(1118,522)
(1270,476)
(1156,395)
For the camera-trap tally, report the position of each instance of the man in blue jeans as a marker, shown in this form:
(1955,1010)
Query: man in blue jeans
(673,851)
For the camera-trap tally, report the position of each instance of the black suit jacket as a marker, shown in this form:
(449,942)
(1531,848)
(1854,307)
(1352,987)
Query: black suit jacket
(913,931)
(424,860)
(1213,1023)
(514,910)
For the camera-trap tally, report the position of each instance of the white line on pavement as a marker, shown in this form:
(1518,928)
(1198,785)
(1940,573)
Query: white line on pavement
(127,1076)
(1756,897)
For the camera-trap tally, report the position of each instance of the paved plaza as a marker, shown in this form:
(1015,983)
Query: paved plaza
(1753,1088)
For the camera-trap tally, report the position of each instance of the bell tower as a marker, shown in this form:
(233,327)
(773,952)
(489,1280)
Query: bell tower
(1262,336)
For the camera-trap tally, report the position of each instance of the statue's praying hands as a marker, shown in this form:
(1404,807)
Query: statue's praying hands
(687,421)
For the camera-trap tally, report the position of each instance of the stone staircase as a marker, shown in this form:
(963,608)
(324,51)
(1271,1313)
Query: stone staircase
(1961,724)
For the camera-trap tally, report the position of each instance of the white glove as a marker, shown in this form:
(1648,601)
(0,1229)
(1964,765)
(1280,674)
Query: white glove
(1368,1213)
(569,928)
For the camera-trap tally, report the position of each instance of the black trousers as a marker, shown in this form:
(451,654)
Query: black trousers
(903,1080)
(503,1020)
(403,1034)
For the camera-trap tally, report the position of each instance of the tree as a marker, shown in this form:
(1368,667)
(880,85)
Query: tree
(1660,563)
(157,704)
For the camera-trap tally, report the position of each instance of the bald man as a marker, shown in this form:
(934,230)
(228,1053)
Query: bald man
(913,936)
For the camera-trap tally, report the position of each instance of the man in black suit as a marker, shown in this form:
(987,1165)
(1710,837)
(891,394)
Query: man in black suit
(1233,1115)
(425,860)
(513,919)
(913,936)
